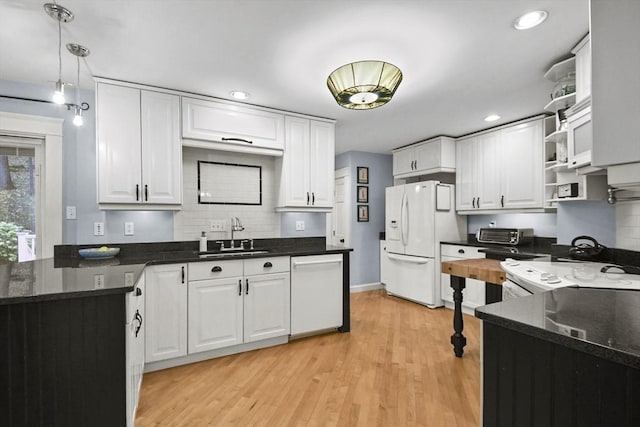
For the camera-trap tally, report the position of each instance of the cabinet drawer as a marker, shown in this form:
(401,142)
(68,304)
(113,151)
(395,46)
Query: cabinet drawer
(232,124)
(460,251)
(266,265)
(214,269)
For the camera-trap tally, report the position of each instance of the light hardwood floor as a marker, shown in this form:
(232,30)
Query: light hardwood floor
(395,368)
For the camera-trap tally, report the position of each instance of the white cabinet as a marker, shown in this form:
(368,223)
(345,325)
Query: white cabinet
(232,127)
(139,150)
(267,298)
(501,169)
(432,156)
(474,291)
(582,51)
(134,331)
(306,169)
(579,138)
(316,293)
(166,312)
(215,305)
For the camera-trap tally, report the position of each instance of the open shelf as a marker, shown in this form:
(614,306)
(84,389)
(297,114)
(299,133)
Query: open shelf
(557,136)
(561,102)
(561,69)
(556,166)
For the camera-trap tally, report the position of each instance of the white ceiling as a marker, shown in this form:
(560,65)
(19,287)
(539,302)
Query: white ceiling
(461,59)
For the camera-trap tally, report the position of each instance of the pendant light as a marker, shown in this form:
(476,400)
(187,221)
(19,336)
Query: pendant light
(80,52)
(60,14)
(364,85)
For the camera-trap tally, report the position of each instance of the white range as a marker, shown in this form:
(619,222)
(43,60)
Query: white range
(529,277)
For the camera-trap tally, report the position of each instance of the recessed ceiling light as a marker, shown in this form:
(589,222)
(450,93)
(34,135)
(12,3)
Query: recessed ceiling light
(240,94)
(530,20)
(491,118)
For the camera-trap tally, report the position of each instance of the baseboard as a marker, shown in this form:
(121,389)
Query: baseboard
(366,287)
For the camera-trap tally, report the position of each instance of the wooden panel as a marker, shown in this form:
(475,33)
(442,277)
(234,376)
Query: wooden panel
(63,363)
(487,270)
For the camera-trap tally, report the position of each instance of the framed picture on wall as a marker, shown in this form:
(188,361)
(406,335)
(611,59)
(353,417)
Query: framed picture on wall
(363,194)
(363,213)
(363,175)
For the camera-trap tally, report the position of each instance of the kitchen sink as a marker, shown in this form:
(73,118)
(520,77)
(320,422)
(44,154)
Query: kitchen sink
(231,254)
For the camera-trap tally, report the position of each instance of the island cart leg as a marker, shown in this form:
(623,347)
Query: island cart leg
(457,339)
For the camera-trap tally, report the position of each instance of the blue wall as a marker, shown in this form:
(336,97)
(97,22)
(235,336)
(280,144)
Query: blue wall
(592,218)
(365,241)
(543,224)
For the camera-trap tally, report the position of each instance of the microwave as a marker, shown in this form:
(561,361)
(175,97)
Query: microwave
(579,138)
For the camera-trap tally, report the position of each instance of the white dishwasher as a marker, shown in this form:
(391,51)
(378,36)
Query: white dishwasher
(316,293)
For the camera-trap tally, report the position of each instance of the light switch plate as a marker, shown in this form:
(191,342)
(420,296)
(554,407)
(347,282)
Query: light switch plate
(98,228)
(299,225)
(128,229)
(98,281)
(217,225)
(71,212)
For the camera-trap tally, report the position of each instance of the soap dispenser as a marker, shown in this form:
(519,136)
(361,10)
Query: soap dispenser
(203,242)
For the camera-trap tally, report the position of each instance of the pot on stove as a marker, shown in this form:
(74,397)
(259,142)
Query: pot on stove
(585,251)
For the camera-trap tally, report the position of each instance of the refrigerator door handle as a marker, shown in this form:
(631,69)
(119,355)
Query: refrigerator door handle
(405,219)
(410,259)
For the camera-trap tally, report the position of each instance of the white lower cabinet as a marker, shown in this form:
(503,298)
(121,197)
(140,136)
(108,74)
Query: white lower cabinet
(316,293)
(134,331)
(222,304)
(473,294)
(166,309)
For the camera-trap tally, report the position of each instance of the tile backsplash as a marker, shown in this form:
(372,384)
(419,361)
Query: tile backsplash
(628,225)
(259,221)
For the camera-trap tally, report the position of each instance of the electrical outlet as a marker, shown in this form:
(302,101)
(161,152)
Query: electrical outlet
(98,281)
(128,229)
(98,228)
(299,225)
(217,225)
(71,212)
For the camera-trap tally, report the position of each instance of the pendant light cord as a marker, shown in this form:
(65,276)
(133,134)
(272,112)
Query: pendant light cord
(59,47)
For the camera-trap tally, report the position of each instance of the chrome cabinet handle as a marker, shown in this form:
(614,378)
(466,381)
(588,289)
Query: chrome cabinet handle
(238,140)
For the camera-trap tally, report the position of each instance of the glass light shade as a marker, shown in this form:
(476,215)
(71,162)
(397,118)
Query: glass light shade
(530,20)
(364,85)
(58,95)
(77,118)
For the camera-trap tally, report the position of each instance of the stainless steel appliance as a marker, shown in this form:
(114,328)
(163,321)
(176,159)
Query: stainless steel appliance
(505,236)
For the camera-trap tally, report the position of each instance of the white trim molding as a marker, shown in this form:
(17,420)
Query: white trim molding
(49,231)
(365,287)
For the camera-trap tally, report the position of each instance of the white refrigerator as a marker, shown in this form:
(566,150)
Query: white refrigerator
(418,216)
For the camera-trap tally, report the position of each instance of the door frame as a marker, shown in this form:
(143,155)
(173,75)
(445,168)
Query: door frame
(49,213)
(346,174)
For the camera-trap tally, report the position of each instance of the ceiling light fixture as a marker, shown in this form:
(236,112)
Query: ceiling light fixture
(530,20)
(80,52)
(60,14)
(364,85)
(491,118)
(240,94)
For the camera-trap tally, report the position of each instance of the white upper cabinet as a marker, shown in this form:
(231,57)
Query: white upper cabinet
(501,169)
(306,170)
(139,150)
(231,127)
(615,67)
(583,69)
(432,156)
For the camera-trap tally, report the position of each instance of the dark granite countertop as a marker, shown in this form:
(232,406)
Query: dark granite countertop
(601,322)
(67,275)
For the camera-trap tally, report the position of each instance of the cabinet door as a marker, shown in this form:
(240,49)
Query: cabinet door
(466,181)
(231,124)
(266,306)
(166,312)
(523,166)
(161,148)
(296,162)
(428,156)
(322,163)
(215,314)
(119,148)
(404,161)
(579,139)
(489,166)
(583,72)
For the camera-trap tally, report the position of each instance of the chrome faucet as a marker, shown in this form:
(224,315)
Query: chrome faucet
(236,225)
